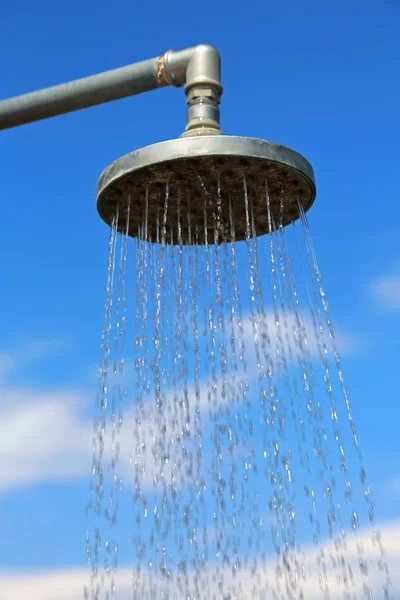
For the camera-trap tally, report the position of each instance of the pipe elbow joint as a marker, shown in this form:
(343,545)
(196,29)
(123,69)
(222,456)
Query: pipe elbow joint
(196,65)
(199,69)
(204,68)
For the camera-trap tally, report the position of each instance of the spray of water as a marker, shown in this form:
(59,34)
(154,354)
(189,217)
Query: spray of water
(222,465)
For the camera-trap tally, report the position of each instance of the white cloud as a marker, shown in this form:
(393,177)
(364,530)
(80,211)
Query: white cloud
(43,433)
(69,584)
(386,291)
(46,436)
(28,350)
(43,437)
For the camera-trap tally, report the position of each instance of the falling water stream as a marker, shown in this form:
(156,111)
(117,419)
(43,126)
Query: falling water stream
(226,461)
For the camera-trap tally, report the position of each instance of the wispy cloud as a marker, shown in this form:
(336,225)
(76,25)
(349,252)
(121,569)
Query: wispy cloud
(43,437)
(30,350)
(68,584)
(47,436)
(386,291)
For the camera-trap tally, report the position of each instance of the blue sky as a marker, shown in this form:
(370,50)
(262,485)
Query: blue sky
(318,77)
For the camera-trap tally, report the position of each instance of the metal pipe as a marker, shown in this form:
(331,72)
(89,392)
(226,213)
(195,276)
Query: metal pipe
(82,93)
(198,67)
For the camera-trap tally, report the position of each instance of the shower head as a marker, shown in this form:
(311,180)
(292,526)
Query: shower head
(206,178)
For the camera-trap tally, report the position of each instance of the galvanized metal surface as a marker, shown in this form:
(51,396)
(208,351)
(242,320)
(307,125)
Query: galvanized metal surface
(198,66)
(82,93)
(195,168)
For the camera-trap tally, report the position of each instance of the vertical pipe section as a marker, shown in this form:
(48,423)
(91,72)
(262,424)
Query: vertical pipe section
(82,93)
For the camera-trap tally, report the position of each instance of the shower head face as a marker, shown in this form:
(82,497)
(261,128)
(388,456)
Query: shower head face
(209,182)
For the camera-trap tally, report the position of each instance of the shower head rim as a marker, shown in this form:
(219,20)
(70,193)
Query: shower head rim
(201,146)
(202,165)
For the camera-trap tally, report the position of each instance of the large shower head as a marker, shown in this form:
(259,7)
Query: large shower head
(206,178)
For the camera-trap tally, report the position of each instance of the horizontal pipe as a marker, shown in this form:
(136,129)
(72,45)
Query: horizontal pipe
(82,93)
